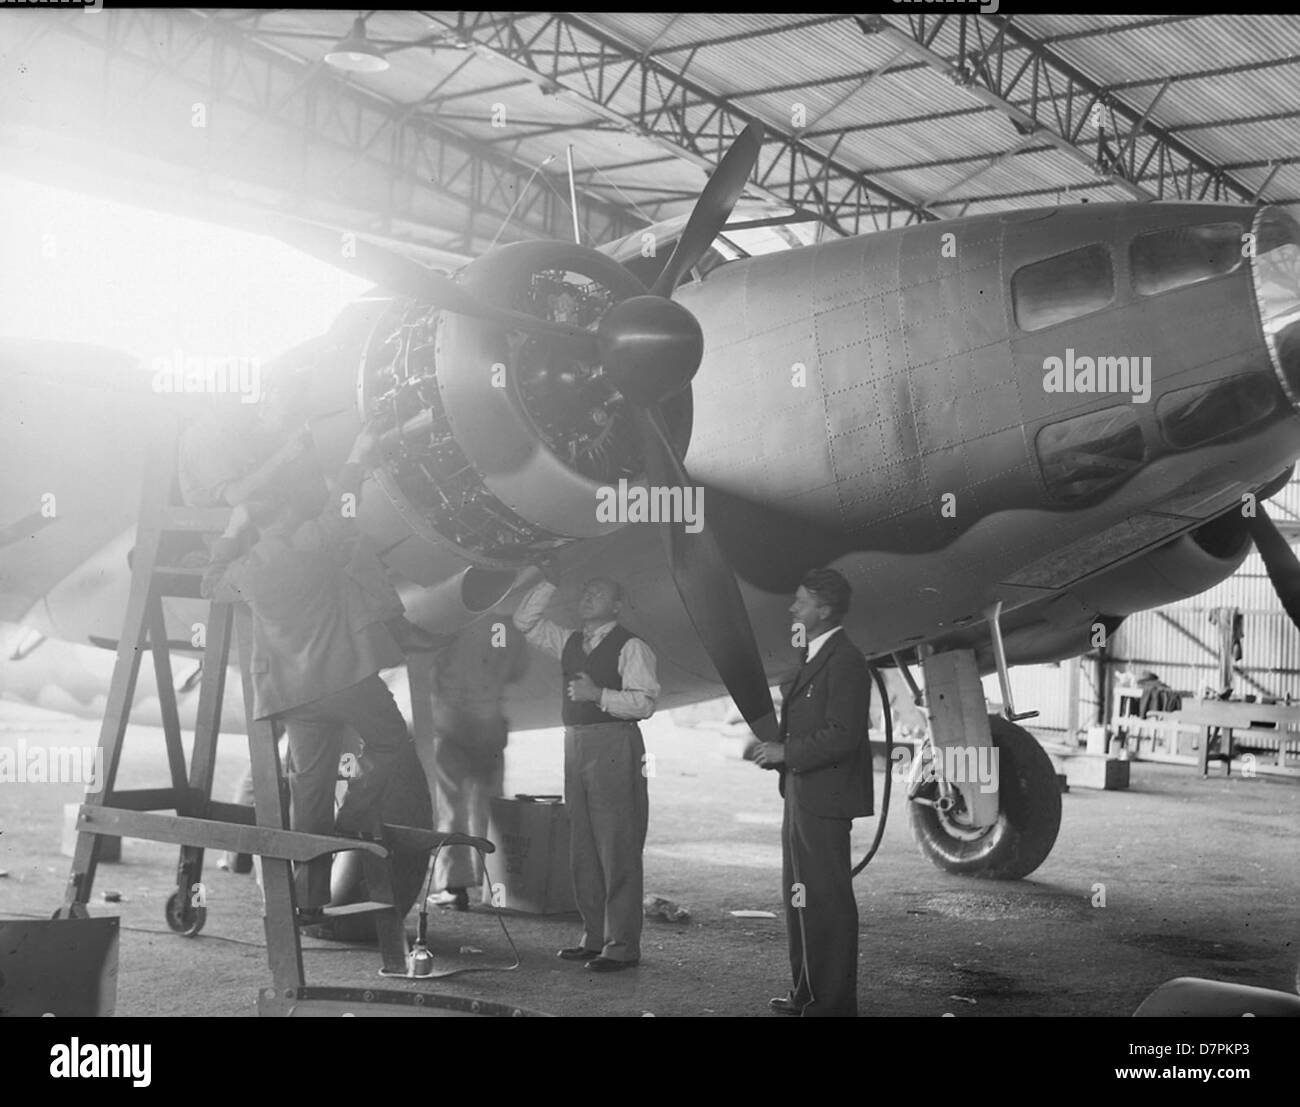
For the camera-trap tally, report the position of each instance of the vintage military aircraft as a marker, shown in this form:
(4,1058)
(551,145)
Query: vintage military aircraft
(1009,431)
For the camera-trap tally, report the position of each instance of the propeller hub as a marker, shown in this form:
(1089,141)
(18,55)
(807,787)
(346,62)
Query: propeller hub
(650,348)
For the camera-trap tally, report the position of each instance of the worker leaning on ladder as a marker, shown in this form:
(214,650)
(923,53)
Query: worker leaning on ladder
(317,654)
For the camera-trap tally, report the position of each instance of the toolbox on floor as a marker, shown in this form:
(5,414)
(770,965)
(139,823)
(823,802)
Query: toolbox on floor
(530,871)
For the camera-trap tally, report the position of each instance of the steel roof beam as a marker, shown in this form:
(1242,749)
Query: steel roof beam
(288,132)
(1045,96)
(741,36)
(591,67)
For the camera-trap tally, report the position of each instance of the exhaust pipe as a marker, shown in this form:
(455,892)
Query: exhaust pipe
(456,602)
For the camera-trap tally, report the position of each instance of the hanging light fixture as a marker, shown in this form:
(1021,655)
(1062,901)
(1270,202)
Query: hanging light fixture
(356,53)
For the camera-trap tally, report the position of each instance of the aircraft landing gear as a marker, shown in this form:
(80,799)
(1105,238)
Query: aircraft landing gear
(1029,815)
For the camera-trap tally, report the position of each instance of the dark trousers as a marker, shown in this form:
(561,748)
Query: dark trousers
(608,802)
(315,733)
(821,915)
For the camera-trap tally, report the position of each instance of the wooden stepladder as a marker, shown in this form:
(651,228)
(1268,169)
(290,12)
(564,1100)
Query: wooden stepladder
(200,822)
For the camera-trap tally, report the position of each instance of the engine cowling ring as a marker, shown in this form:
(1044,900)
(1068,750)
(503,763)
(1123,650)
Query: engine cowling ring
(502,440)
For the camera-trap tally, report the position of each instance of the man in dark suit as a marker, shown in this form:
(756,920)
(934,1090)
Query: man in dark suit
(824,759)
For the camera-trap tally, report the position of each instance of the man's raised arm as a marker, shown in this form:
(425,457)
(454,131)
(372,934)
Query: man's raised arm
(534,626)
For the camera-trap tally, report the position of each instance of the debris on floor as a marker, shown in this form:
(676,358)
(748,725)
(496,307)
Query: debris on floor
(656,907)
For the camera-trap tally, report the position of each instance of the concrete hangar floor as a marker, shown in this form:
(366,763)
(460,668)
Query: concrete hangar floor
(1199,879)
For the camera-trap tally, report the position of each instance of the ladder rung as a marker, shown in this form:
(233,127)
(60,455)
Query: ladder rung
(232,813)
(152,799)
(350,910)
(265,841)
(184,583)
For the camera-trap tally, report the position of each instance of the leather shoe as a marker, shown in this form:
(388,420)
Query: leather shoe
(608,964)
(785,1005)
(577,953)
(450,897)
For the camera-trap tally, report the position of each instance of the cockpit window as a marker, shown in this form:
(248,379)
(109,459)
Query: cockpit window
(1205,412)
(1178,256)
(1089,454)
(1064,287)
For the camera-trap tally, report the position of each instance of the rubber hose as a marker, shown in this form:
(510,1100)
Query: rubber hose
(889,770)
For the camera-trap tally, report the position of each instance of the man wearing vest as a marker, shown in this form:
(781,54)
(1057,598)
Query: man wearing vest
(824,759)
(609,683)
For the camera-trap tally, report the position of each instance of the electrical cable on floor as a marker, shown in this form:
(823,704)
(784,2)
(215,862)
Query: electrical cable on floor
(423,927)
(500,919)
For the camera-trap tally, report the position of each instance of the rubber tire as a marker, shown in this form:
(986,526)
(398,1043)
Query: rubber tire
(406,803)
(184,918)
(1028,821)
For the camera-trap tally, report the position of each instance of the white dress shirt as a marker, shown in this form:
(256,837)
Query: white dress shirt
(636,660)
(817,643)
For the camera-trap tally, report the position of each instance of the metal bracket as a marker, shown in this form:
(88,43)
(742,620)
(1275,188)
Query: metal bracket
(993,614)
(918,696)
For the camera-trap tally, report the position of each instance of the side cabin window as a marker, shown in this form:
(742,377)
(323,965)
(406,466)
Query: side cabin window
(1062,287)
(1205,412)
(1090,454)
(1177,256)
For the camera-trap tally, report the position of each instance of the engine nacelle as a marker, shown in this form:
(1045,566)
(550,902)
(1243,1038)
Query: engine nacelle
(501,441)
(1184,567)
(1066,625)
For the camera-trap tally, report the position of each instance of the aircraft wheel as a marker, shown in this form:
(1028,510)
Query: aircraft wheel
(1028,820)
(184,917)
(406,803)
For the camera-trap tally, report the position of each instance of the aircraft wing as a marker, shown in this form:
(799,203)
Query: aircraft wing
(77,422)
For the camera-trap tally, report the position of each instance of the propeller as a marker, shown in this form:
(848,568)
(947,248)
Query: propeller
(1279,561)
(650,348)
(707,585)
(713,208)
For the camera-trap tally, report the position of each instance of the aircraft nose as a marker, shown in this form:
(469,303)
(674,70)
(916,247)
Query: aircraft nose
(1275,269)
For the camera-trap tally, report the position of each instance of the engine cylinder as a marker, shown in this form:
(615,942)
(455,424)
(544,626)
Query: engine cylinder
(500,441)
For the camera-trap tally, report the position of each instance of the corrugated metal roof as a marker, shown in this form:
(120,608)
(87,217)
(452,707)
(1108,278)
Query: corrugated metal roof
(887,127)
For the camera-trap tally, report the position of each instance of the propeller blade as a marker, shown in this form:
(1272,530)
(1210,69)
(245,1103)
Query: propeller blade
(713,208)
(404,276)
(394,272)
(708,588)
(1279,560)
